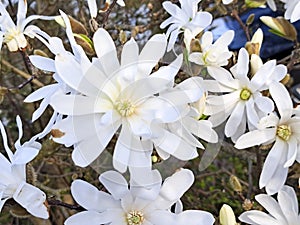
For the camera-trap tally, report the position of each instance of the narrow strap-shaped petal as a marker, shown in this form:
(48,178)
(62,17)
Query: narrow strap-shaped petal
(5,143)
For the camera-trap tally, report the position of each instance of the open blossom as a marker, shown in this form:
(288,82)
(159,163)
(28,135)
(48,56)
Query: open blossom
(140,205)
(213,54)
(285,134)
(12,34)
(241,102)
(186,17)
(113,95)
(13,175)
(92,4)
(284,211)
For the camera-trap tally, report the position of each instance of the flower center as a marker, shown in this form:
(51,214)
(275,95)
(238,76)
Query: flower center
(125,108)
(284,132)
(10,35)
(245,94)
(135,218)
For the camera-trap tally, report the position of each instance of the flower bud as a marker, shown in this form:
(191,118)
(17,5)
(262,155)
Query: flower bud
(227,216)
(280,27)
(235,183)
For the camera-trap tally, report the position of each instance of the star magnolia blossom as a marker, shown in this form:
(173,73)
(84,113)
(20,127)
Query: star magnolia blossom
(216,54)
(13,175)
(242,102)
(183,18)
(139,205)
(92,4)
(286,134)
(13,35)
(285,211)
(114,95)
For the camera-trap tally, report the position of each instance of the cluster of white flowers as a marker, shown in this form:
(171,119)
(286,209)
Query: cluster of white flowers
(134,100)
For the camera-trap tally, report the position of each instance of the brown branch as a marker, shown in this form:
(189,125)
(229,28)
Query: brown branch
(236,16)
(55,202)
(22,74)
(108,11)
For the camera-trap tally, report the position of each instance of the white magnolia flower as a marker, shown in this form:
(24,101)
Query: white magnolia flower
(286,134)
(213,54)
(190,127)
(284,211)
(241,102)
(114,95)
(292,8)
(139,205)
(186,17)
(12,34)
(92,4)
(13,175)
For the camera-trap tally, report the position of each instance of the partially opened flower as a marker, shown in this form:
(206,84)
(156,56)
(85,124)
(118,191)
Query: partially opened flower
(284,211)
(12,34)
(241,100)
(13,175)
(148,204)
(186,17)
(213,54)
(285,134)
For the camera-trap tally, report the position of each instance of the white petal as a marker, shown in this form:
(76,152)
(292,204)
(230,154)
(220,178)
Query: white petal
(90,198)
(292,152)
(122,150)
(32,199)
(76,105)
(235,119)
(43,63)
(86,151)
(296,13)
(115,183)
(287,205)
(242,64)
(106,52)
(271,162)
(255,137)
(93,8)
(176,185)
(42,92)
(271,205)
(257,217)
(151,53)
(282,100)
(264,104)
(175,146)
(93,218)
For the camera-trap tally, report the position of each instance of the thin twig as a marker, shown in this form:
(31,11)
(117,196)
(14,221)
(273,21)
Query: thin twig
(55,202)
(236,16)
(22,74)
(109,10)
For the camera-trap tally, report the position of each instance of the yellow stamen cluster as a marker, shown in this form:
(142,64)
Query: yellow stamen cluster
(125,108)
(284,132)
(245,94)
(135,218)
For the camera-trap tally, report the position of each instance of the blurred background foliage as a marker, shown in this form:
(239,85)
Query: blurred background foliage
(231,178)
